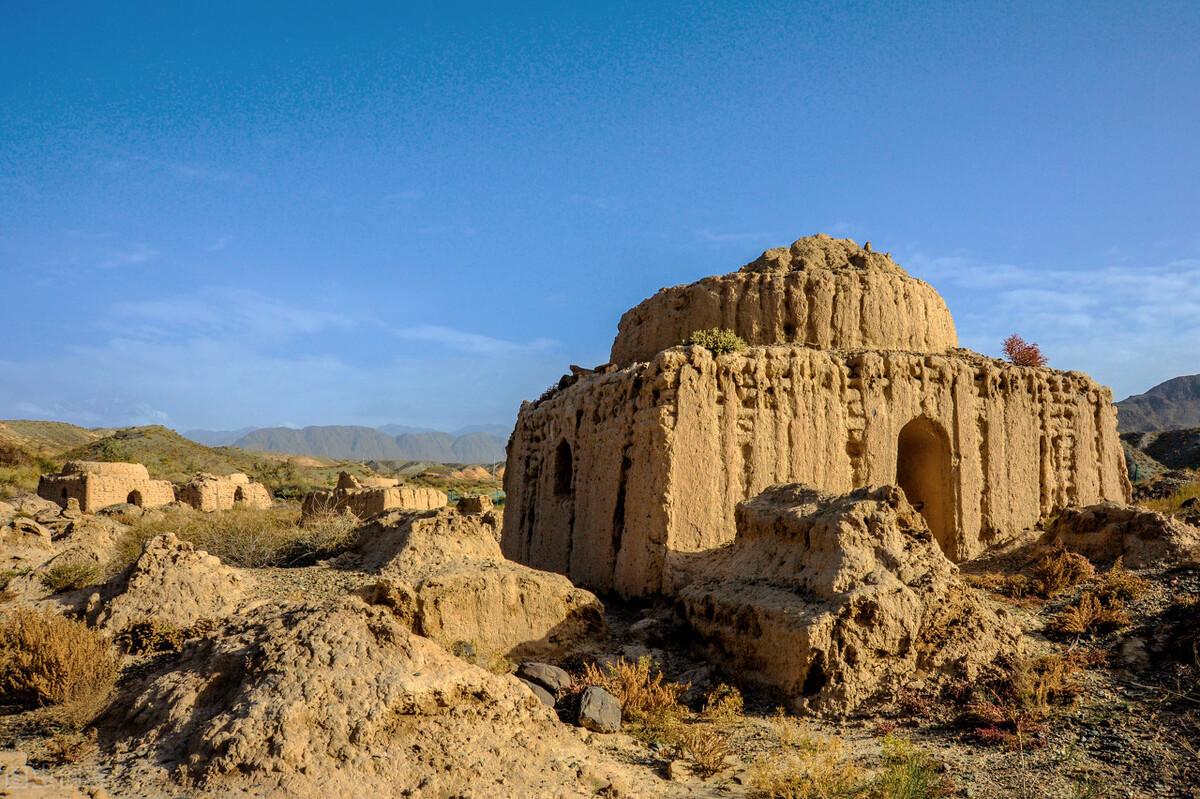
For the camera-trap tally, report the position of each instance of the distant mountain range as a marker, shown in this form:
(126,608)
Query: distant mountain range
(474,444)
(1173,405)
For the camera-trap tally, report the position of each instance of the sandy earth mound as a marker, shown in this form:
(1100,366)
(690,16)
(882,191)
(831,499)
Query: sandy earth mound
(1141,537)
(172,582)
(341,699)
(443,571)
(839,600)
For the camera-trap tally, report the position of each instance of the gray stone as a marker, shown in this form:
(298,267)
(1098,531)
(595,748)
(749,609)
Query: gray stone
(538,691)
(599,711)
(552,678)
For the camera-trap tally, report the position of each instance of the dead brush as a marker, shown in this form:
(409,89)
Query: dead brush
(1121,584)
(1013,708)
(646,697)
(71,747)
(805,766)
(1058,570)
(723,705)
(48,660)
(1090,615)
(150,636)
(705,747)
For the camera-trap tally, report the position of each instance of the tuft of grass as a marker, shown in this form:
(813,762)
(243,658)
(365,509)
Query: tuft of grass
(805,766)
(1173,504)
(1090,615)
(48,660)
(246,537)
(647,699)
(717,340)
(71,575)
(909,772)
(705,747)
(723,704)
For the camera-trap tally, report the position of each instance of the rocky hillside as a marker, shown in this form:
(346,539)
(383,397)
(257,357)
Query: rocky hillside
(368,443)
(1172,405)
(1173,449)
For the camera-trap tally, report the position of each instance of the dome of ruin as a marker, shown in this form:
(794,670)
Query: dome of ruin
(820,292)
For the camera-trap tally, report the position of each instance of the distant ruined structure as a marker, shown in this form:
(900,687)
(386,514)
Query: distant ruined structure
(853,377)
(210,492)
(98,485)
(368,496)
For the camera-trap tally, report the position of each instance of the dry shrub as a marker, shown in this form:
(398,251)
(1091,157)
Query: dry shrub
(246,537)
(1023,353)
(1174,503)
(1120,583)
(805,766)
(154,635)
(71,747)
(723,704)
(1012,709)
(71,575)
(909,772)
(48,660)
(704,746)
(1091,615)
(646,698)
(1059,570)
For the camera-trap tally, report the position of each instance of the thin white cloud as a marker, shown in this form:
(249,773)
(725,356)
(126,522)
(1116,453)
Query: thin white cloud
(712,237)
(1129,326)
(221,243)
(473,343)
(222,313)
(133,255)
(406,197)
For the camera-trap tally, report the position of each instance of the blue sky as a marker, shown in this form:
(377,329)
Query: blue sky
(217,216)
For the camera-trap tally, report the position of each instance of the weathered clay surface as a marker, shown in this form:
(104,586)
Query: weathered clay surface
(459,589)
(341,699)
(1142,538)
(210,492)
(837,601)
(96,485)
(820,292)
(611,479)
(365,501)
(173,582)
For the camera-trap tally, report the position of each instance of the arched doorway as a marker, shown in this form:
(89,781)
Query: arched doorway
(923,471)
(134,498)
(239,496)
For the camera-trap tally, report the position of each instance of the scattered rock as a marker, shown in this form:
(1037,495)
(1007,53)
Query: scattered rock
(540,692)
(555,680)
(599,711)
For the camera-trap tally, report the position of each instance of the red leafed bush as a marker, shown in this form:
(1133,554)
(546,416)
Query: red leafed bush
(1022,352)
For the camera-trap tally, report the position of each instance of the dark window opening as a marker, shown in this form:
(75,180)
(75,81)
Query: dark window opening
(564,469)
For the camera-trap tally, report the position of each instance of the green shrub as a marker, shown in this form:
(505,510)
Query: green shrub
(717,340)
(909,772)
(71,575)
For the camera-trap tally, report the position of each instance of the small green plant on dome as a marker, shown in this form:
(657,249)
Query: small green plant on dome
(717,340)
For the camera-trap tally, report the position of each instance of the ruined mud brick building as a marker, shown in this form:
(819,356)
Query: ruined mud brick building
(368,496)
(98,485)
(211,492)
(853,377)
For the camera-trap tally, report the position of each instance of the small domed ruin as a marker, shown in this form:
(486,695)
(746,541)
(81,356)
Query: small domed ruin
(852,377)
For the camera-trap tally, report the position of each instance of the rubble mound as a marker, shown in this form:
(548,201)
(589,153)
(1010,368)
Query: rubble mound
(340,699)
(1143,538)
(820,292)
(172,582)
(444,572)
(838,601)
